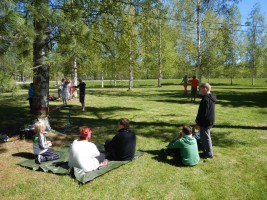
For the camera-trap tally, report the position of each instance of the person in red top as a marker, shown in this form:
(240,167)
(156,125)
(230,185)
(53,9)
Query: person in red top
(194,85)
(72,89)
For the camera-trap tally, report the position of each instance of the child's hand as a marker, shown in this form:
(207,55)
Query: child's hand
(180,135)
(49,143)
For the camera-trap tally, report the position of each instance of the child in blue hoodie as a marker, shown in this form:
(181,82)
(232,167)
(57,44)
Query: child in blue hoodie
(184,148)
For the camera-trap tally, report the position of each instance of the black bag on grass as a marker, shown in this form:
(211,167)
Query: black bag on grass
(4,138)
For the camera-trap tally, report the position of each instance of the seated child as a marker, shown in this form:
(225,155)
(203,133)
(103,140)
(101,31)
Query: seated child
(84,154)
(41,146)
(122,146)
(184,148)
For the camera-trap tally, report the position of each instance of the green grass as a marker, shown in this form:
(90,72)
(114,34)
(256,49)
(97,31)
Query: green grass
(239,170)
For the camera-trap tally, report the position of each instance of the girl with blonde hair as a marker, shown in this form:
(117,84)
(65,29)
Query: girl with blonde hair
(41,146)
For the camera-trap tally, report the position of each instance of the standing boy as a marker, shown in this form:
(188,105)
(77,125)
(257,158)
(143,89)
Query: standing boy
(194,84)
(81,87)
(206,118)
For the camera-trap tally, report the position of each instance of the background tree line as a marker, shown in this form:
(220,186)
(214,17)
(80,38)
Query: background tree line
(131,39)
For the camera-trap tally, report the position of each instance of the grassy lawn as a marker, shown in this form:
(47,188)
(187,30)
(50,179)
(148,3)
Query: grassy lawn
(238,171)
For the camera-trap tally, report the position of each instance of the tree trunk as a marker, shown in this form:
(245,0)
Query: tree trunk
(22,77)
(74,75)
(130,53)
(115,73)
(160,53)
(102,80)
(253,72)
(115,80)
(209,76)
(115,58)
(131,74)
(40,107)
(198,44)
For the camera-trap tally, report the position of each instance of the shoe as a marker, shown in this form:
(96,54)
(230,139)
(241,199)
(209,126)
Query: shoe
(38,159)
(204,156)
(163,152)
(210,157)
(83,109)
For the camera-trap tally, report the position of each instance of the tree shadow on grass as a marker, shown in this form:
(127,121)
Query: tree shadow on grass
(222,140)
(237,99)
(241,127)
(163,131)
(177,101)
(230,99)
(25,155)
(158,156)
(2,150)
(243,88)
(13,118)
(71,114)
(158,130)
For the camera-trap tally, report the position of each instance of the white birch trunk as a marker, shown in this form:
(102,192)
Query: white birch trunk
(199,44)
(74,75)
(102,80)
(160,54)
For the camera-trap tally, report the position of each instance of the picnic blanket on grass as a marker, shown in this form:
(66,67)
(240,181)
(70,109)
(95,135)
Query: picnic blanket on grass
(61,167)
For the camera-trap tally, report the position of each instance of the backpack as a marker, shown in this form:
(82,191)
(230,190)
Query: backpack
(4,138)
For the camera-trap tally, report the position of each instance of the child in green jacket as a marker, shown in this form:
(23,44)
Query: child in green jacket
(184,148)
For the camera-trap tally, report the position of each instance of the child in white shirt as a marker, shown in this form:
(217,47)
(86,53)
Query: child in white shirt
(84,154)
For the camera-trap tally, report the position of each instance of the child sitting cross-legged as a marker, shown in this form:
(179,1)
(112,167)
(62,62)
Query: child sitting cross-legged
(184,148)
(41,148)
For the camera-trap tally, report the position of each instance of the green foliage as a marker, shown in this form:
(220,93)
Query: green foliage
(7,84)
(152,39)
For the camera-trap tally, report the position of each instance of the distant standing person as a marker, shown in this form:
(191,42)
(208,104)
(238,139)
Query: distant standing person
(72,88)
(30,93)
(81,87)
(64,92)
(59,89)
(68,90)
(206,118)
(185,82)
(122,145)
(194,85)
